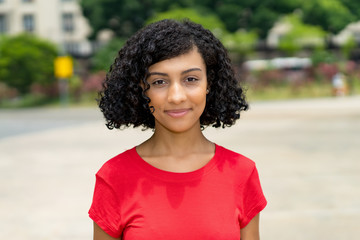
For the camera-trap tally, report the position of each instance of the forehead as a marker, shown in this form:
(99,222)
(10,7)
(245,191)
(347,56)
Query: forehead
(191,59)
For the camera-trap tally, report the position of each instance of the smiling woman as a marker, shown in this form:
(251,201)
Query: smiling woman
(176,78)
(178,91)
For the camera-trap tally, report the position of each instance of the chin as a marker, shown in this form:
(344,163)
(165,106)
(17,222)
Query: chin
(178,127)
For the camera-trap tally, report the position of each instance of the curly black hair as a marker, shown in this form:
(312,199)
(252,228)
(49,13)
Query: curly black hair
(123,100)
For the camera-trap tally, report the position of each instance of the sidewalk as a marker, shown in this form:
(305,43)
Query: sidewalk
(306,151)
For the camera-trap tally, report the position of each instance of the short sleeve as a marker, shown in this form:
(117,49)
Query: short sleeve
(252,198)
(105,207)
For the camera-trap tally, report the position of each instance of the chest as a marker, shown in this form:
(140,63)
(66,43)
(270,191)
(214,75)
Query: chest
(193,210)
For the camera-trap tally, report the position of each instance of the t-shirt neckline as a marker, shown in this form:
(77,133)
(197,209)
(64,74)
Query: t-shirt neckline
(175,176)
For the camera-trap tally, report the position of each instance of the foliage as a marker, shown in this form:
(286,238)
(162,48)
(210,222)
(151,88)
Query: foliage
(124,17)
(26,60)
(300,35)
(240,42)
(260,15)
(331,15)
(209,21)
(105,56)
(322,56)
(349,45)
(352,6)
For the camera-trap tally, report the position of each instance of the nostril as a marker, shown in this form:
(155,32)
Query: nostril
(176,93)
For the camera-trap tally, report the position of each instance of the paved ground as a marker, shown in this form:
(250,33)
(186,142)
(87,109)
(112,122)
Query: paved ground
(307,152)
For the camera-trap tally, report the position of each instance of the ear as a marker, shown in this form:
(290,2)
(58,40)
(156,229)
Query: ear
(208,87)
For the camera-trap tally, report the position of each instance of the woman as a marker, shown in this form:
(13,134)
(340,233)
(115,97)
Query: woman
(175,78)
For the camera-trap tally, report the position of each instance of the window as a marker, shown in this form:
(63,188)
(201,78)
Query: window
(68,22)
(27,1)
(3,24)
(28,23)
(72,47)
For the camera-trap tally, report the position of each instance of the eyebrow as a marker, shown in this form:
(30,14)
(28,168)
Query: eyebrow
(183,72)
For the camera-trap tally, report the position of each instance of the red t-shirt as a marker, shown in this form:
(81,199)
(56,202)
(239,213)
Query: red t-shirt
(135,200)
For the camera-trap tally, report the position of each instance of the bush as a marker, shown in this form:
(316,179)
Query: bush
(26,60)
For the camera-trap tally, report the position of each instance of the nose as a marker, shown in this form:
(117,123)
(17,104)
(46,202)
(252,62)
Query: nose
(176,94)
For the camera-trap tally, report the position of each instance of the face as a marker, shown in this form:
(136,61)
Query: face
(178,92)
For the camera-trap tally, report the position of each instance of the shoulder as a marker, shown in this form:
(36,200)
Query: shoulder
(235,161)
(235,157)
(116,165)
(240,169)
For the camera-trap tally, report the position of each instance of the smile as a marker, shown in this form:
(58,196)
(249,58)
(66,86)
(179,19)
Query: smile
(176,113)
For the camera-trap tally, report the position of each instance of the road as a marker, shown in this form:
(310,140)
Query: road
(307,153)
(15,122)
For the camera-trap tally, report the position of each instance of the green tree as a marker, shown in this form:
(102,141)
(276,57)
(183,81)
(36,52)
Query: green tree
(353,6)
(124,17)
(300,35)
(105,56)
(331,15)
(24,60)
(209,21)
(254,15)
(322,56)
(241,42)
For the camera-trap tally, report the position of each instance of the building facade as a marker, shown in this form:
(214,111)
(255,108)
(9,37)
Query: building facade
(59,21)
(350,32)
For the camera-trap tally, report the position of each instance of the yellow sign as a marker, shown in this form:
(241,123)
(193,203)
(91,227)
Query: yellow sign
(63,67)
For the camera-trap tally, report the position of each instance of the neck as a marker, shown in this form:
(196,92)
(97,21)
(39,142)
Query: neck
(178,144)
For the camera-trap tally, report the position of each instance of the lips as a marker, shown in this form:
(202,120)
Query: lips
(176,113)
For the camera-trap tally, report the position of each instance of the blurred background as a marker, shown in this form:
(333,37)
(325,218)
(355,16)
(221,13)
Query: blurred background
(299,61)
(281,49)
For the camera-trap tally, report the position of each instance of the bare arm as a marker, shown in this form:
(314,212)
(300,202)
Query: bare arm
(100,234)
(251,231)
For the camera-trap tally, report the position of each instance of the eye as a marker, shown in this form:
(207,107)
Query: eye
(191,79)
(159,82)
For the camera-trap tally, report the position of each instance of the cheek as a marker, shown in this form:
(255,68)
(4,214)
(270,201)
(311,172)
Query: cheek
(198,99)
(198,94)
(156,99)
